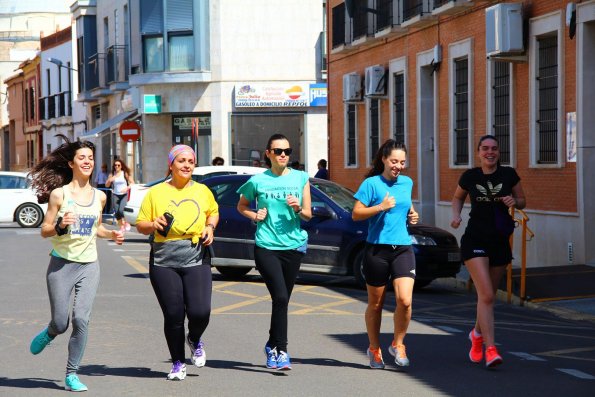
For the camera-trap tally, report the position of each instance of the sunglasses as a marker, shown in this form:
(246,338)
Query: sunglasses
(117,165)
(278,151)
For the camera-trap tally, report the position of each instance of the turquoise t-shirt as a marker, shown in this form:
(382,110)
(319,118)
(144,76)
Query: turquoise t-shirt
(280,230)
(387,227)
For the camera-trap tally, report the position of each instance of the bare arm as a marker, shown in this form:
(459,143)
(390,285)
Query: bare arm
(517,198)
(209,230)
(103,232)
(49,221)
(361,212)
(109,180)
(305,210)
(244,209)
(458,200)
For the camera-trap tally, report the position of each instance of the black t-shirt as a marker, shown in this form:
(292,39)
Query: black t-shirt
(485,192)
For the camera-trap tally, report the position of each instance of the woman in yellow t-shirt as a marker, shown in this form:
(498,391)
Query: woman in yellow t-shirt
(72,221)
(182,216)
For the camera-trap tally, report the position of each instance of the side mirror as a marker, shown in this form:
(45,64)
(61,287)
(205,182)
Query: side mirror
(321,212)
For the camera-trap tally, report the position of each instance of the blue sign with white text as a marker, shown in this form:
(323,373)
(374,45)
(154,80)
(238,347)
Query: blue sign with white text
(318,94)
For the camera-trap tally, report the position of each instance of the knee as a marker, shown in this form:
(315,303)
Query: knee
(201,315)
(404,303)
(58,328)
(375,307)
(79,323)
(173,317)
(280,300)
(487,298)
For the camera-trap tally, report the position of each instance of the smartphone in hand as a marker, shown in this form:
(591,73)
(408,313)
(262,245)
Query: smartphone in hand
(170,220)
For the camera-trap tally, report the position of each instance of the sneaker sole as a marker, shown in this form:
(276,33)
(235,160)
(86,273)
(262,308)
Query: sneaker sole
(284,368)
(199,364)
(71,389)
(494,363)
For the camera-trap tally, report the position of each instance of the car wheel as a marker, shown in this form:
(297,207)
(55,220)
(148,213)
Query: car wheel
(358,268)
(29,215)
(233,271)
(419,284)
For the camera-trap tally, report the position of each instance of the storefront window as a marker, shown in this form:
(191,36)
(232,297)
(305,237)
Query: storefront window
(194,130)
(250,134)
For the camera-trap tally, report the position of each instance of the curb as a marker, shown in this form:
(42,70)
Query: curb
(569,314)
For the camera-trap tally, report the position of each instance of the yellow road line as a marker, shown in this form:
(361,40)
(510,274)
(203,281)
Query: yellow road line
(564,353)
(560,298)
(324,307)
(136,265)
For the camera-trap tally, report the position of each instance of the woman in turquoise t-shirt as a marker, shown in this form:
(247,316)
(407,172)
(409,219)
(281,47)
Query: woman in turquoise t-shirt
(384,198)
(283,197)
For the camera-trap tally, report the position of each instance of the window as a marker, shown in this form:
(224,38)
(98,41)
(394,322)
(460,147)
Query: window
(461,112)
(176,30)
(460,119)
(373,128)
(399,107)
(501,109)
(360,19)
(338,25)
(32,103)
(546,75)
(26,104)
(547,100)
(350,135)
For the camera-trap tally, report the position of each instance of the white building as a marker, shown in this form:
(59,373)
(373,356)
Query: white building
(221,76)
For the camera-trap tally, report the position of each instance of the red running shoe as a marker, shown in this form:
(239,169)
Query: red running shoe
(492,357)
(476,352)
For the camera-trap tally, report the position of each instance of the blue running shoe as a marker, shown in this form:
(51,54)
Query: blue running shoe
(178,371)
(40,342)
(271,357)
(283,361)
(399,353)
(74,384)
(199,355)
(375,356)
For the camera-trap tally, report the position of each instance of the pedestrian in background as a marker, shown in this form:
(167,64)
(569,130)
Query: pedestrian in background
(120,181)
(72,221)
(322,172)
(218,161)
(485,245)
(283,198)
(182,216)
(100,180)
(384,199)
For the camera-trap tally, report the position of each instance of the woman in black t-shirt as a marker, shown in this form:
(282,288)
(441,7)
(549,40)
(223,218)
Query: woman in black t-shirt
(485,245)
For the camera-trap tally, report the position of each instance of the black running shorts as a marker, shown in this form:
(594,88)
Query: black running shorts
(497,251)
(384,263)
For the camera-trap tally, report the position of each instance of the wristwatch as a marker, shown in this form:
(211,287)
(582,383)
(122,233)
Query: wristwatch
(211,226)
(299,210)
(60,231)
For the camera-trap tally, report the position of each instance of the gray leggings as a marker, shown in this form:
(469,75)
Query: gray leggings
(64,277)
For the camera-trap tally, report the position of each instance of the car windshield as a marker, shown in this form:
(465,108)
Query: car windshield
(339,194)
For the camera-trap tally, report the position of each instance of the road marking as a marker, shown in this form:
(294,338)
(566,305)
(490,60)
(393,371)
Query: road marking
(576,373)
(448,329)
(561,298)
(325,307)
(527,356)
(564,353)
(129,250)
(137,265)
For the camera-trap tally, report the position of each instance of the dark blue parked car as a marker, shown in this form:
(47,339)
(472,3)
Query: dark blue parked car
(335,241)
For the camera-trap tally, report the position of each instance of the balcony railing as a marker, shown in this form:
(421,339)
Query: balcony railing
(41,104)
(116,67)
(56,105)
(384,16)
(413,8)
(360,21)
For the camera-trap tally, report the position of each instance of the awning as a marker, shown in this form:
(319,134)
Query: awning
(108,124)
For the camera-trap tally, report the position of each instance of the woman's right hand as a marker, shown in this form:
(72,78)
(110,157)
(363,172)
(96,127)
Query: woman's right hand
(260,215)
(388,202)
(69,218)
(456,222)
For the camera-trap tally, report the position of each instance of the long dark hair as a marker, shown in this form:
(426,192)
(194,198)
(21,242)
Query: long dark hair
(384,151)
(274,137)
(53,170)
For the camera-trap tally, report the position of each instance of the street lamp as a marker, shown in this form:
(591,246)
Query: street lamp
(60,63)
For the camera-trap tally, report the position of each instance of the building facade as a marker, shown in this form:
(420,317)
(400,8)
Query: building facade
(439,74)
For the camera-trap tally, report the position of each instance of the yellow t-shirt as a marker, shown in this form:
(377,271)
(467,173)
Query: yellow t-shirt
(190,207)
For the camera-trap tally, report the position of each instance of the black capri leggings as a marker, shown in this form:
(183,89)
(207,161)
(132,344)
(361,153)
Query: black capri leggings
(279,269)
(181,292)
(119,202)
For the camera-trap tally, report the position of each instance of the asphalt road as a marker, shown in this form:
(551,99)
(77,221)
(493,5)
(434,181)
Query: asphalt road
(127,355)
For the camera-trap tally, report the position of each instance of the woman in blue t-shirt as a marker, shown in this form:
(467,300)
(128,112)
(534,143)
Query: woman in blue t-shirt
(283,197)
(384,199)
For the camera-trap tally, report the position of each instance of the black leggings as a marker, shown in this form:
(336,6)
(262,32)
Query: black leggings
(119,202)
(181,292)
(279,270)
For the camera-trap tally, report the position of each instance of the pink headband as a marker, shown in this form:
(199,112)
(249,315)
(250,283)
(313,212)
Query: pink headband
(176,150)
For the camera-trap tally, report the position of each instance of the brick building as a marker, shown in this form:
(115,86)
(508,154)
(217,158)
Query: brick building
(438,74)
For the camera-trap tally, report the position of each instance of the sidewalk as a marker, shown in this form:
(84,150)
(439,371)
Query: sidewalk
(567,291)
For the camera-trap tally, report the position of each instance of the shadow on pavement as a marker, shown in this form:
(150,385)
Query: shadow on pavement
(240,366)
(31,383)
(133,372)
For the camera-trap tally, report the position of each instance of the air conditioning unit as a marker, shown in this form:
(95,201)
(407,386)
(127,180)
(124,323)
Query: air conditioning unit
(352,87)
(504,30)
(375,81)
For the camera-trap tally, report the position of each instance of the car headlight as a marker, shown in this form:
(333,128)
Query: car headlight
(422,240)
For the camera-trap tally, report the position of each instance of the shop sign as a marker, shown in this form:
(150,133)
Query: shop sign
(185,123)
(272,95)
(318,94)
(152,103)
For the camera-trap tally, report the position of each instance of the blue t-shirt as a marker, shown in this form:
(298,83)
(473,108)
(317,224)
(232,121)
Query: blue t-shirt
(387,227)
(280,230)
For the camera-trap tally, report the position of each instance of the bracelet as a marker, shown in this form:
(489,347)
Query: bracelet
(299,211)
(60,231)
(211,226)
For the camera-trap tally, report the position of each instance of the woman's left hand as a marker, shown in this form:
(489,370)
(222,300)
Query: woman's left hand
(208,235)
(293,202)
(412,217)
(118,236)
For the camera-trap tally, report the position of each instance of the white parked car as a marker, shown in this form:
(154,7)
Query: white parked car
(19,202)
(137,192)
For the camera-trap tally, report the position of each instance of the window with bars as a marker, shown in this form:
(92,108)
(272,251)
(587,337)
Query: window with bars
(547,100)
(374,132)
(501,108)
(399,107)
(360,19)
(461,111)
(384,14)
(351,153)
